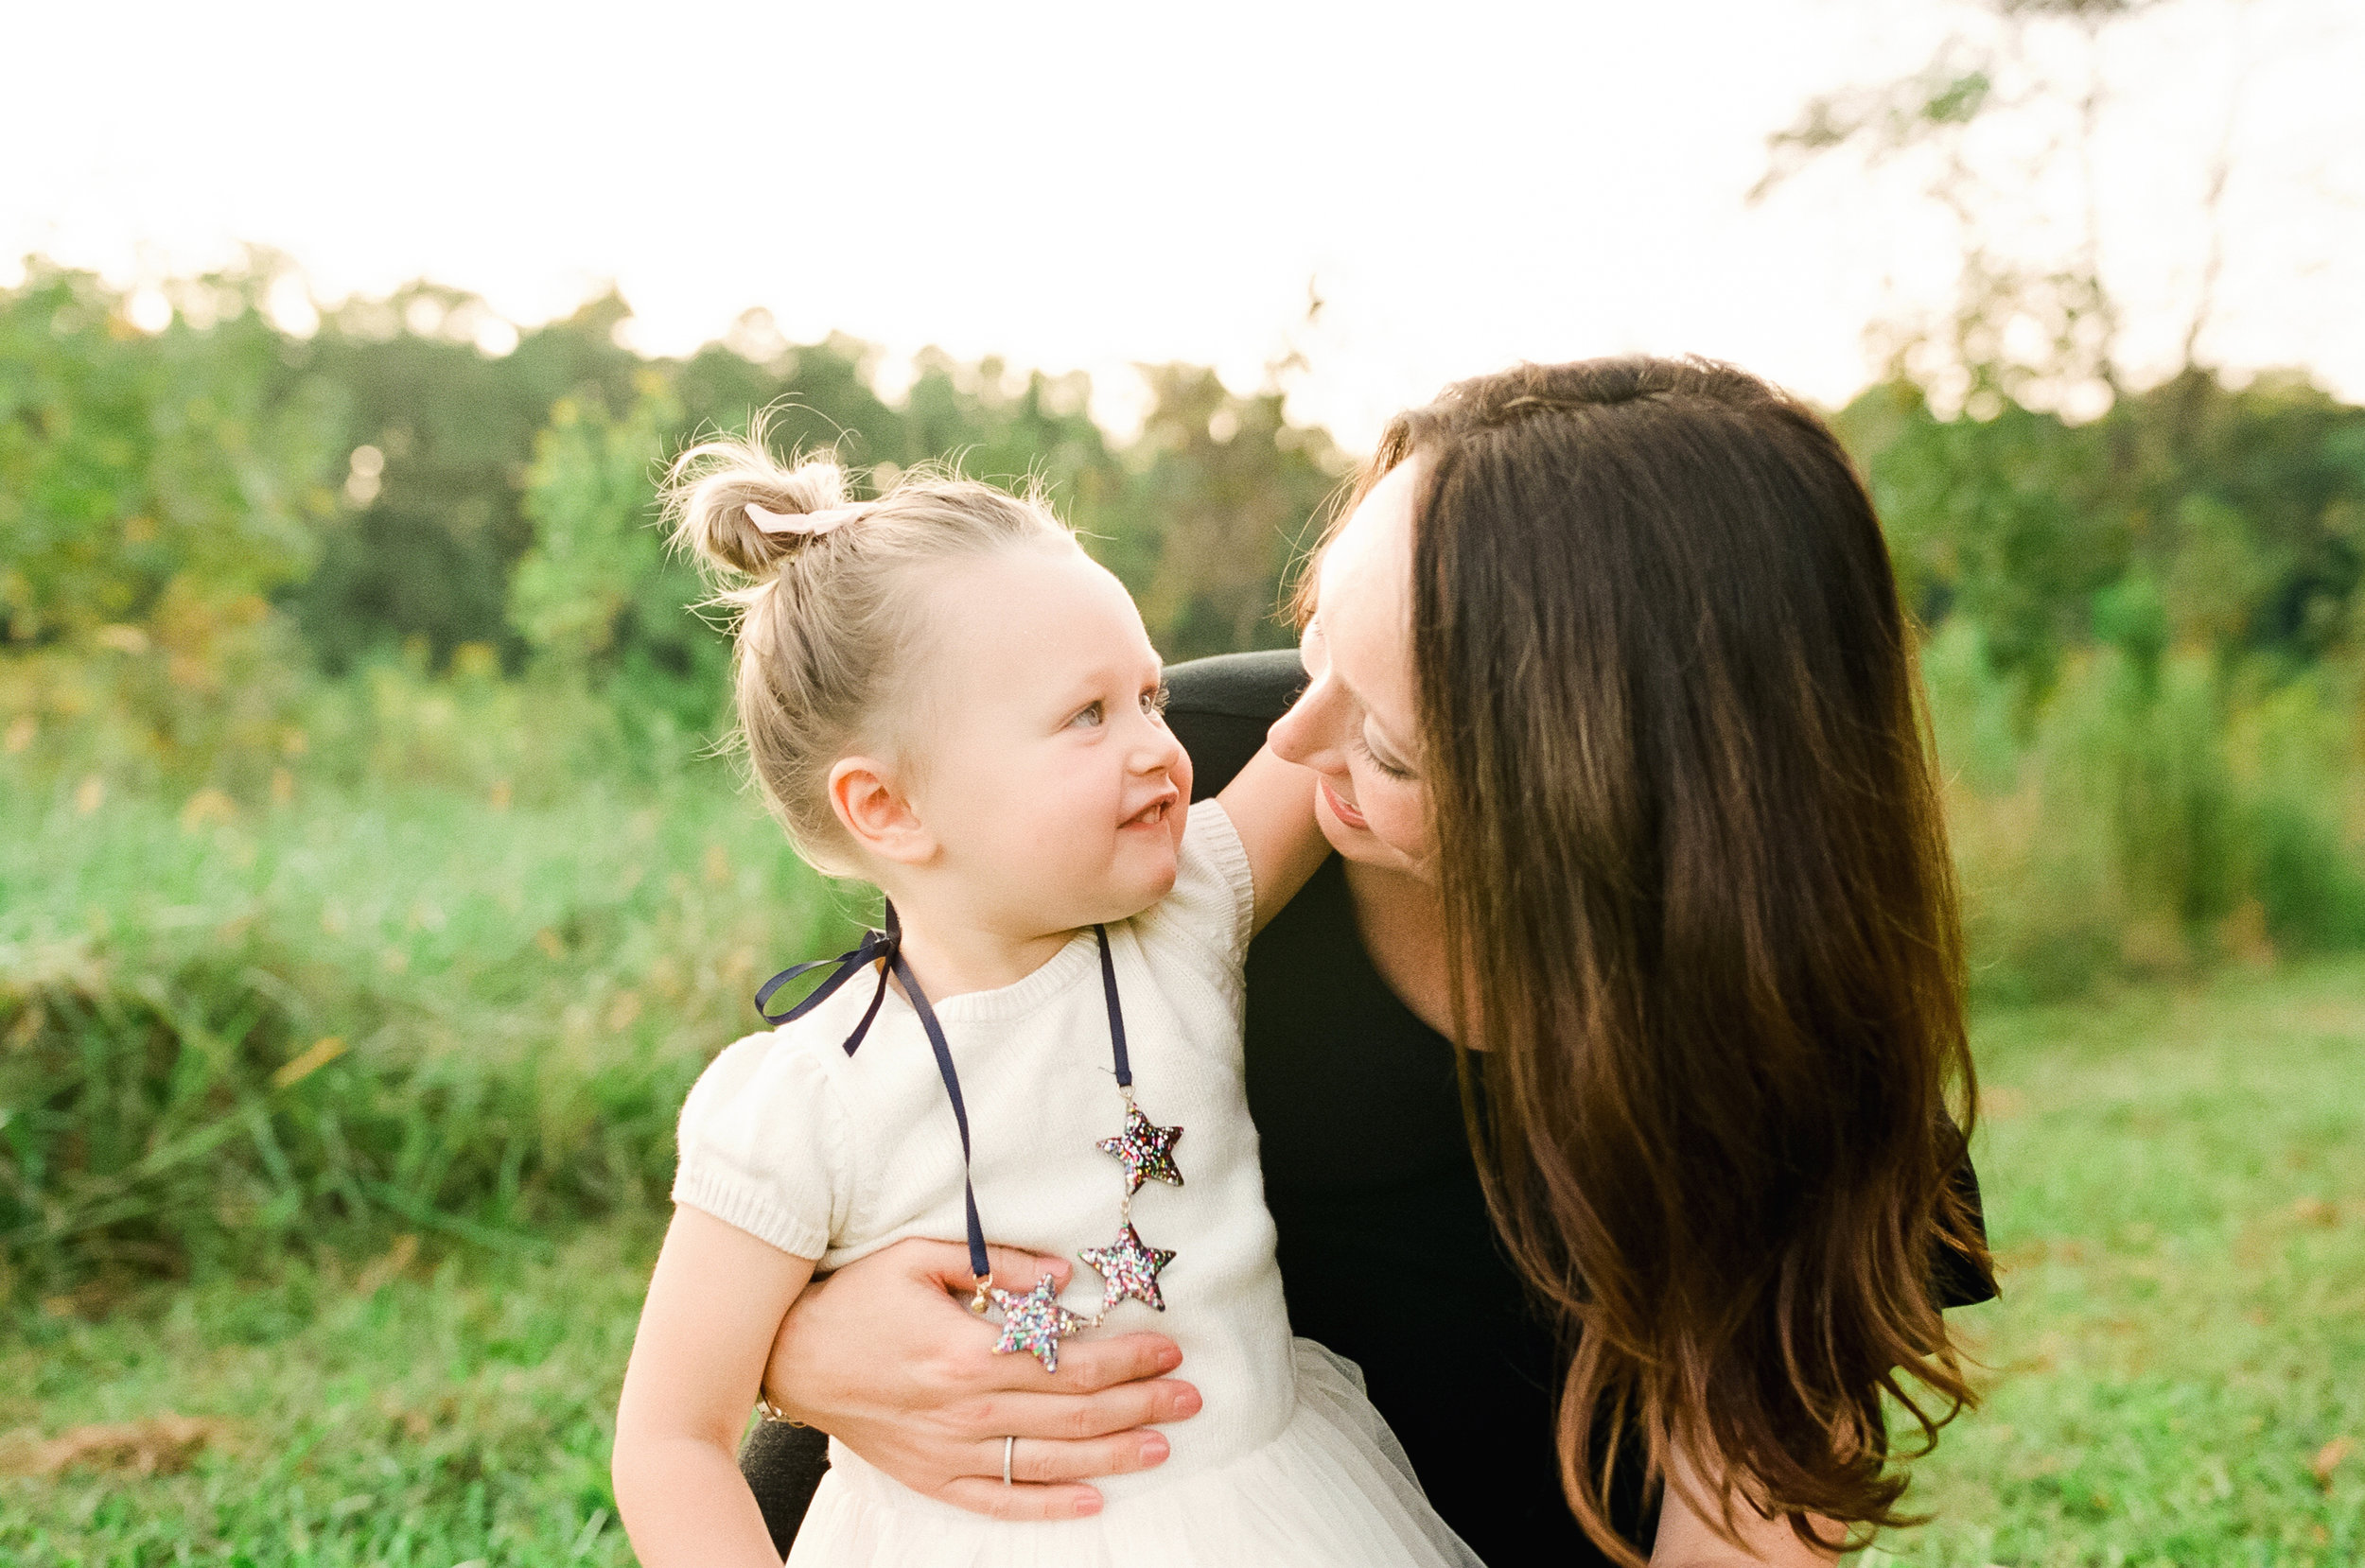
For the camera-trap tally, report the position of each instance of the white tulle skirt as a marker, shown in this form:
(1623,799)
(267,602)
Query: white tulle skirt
(1333,1491)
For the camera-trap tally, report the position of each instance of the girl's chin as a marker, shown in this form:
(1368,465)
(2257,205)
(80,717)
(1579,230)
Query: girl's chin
(1140,879)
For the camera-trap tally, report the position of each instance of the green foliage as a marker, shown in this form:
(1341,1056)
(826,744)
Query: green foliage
(377,480)
(598,596)
(2228,520)
(514,990)
(175,477)
(436,444)
(1242,486)
(2153,816)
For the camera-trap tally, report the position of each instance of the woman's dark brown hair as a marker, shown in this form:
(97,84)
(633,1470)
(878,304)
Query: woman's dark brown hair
(1697,889)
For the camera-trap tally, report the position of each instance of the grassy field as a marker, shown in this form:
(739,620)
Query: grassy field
(2176,1371)
(2177,1187)
(230,1032)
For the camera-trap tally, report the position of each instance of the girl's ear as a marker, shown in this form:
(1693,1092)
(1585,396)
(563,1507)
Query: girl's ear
(876,813)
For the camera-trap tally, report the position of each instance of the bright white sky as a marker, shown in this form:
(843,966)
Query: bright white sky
(1089,186)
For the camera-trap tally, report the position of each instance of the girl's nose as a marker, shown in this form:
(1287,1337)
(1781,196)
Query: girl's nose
(1156,747)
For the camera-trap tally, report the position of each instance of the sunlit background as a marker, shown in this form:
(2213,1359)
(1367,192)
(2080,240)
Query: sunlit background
(1087,186)
(372,887)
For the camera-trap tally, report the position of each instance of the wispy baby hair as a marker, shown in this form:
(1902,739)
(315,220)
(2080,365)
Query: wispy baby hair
(830,624)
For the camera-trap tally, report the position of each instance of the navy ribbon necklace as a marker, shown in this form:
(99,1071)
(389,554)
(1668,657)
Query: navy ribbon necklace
(1033,1320)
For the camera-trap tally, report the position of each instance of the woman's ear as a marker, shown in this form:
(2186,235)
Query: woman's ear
(876,814)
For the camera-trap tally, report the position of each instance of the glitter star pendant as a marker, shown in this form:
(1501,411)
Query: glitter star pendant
(1129,1269)
(1146,1149)
(1033,1322)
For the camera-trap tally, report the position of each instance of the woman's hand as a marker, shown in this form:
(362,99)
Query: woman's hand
(886,1356)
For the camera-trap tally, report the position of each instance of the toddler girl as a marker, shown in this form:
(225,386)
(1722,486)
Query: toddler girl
(944,695)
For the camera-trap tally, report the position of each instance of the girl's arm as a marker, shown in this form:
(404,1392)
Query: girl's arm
(1272,804)
(716,1301)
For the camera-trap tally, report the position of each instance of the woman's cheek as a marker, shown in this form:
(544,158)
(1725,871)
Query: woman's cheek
(1397,811)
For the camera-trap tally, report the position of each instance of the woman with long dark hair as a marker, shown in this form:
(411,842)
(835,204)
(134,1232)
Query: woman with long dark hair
(1612,705)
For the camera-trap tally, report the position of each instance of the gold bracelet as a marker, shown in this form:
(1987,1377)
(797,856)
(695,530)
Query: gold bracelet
(773,1412)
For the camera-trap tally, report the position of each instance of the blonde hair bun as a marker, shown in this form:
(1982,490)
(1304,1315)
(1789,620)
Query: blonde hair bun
(710,488)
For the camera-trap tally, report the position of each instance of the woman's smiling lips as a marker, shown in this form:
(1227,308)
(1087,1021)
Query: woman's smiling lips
(1341,810)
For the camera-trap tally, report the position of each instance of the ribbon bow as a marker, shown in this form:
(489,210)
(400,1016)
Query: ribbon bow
(883,948)
(886,948)
(803,522)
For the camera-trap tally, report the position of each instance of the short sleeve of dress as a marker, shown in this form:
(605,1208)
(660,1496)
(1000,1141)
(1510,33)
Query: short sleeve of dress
(762,1145)
(1214,901)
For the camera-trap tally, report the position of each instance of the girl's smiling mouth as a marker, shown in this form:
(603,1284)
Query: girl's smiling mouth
(1153,814)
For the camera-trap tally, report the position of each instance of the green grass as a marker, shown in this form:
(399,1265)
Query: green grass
(230,1031)
(458,1412)
(2175,1183)
(2176,1188)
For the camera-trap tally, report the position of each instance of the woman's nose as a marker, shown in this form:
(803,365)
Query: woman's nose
(1303,735)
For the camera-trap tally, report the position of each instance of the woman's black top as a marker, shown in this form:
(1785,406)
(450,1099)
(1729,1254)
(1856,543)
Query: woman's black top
(1387,1253)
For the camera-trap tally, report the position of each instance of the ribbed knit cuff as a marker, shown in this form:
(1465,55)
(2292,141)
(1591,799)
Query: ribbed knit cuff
(737,1205)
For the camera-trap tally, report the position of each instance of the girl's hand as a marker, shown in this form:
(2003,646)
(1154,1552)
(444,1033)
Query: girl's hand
(886,1356)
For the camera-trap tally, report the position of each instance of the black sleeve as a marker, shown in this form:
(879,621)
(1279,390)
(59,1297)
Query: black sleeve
(783,1465)
(1220,708)
(1963,1281)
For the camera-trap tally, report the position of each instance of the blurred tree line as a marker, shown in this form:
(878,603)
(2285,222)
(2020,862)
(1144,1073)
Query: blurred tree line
(382,482)
(204,517)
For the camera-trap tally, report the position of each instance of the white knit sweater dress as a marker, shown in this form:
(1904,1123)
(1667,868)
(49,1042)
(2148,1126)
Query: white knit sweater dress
(832,1157)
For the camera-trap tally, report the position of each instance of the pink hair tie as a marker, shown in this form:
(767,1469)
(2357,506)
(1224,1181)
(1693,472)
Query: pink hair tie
(803,522)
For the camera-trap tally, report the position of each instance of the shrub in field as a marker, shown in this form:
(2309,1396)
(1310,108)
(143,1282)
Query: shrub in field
(2151,815)
(226,1030)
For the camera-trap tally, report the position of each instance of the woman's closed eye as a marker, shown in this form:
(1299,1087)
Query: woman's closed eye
(1387,768)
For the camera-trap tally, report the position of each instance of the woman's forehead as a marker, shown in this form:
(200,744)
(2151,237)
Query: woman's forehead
(1367,565)
(1363,594)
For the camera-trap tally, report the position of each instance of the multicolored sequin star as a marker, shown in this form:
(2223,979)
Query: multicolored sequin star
(1147,1150)
(1129,1269)
(1033,1322)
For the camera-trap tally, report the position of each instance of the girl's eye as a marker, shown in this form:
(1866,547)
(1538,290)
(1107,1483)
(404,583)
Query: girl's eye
(1154,700)
(1089,718)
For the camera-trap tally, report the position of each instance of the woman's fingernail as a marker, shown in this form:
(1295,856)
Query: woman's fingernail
(1169,1358)
(1186,1402)
(1154,1450)
(1088,1504)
